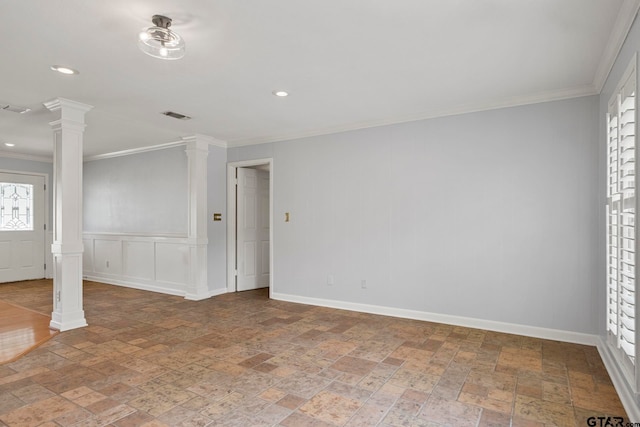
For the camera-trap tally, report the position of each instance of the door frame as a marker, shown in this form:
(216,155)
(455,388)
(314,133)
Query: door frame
(232,220)
(48,256)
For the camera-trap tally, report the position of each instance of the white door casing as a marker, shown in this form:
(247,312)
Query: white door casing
(264,232)
(252,244)
(22,254)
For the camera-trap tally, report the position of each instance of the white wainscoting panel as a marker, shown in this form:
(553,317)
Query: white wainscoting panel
(148,262)
(172,263)
(139,259)
(5,255)
(107,256)
(87,256)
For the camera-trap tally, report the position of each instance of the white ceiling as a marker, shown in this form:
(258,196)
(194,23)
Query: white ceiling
(346,63)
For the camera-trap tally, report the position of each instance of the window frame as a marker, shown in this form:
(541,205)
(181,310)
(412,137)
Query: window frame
(628,367)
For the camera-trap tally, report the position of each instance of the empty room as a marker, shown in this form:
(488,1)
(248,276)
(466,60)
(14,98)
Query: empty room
(342,213)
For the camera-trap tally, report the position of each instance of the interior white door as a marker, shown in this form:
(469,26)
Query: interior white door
(252,245)
(22,234)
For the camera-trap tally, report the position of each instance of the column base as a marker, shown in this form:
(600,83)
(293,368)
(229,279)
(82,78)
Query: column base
(67,321)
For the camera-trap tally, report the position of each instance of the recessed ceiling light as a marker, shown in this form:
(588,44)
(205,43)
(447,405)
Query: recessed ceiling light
(280,93)
(64,70)
(9,144)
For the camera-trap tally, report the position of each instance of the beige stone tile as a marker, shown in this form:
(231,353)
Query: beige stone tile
(494,419)
(273,394)
(367,415)
(330,408)
(39,412)
(531,408)
(354,365)
(209,363)
(519,358)
(449,412)
(32,393)
(224,406)
(486,402)
(603,398)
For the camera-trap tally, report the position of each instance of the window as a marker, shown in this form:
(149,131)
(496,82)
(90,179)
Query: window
(16,207)
(621,219)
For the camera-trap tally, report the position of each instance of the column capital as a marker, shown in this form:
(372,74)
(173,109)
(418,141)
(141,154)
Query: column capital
(199,139)
(69,110)
(74,125)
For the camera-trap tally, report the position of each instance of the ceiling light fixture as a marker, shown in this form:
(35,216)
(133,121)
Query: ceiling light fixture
(9,144)
(280,93)
(159,41)
(64,70)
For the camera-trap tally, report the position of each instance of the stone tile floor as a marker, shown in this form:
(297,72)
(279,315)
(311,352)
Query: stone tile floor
(240,359)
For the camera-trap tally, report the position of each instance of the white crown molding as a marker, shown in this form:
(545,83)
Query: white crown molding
(22,156)
(134,151)
(548,96)
(621,28)
(468,322)
(184,140)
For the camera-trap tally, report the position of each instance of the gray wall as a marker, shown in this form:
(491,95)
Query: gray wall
(217,231)
(139,193)
(490,215)
(631,46)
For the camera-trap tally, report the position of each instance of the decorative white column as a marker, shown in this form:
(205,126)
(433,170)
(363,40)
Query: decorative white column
(197,151)
(67,245)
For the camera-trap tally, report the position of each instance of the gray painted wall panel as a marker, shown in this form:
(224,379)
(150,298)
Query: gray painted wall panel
(489,215)
(217,230)
(139,193)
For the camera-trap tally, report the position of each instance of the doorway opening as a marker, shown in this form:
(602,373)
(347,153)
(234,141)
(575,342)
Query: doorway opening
(250,225)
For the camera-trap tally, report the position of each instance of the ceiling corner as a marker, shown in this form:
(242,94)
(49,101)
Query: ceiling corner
(626,16)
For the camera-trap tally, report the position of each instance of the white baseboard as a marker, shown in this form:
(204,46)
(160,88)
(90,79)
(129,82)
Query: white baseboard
(218,291)
(136,285)
(490,325)
(626,394)
(150,288)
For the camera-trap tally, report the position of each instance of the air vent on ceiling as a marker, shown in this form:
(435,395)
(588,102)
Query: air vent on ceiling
(14,108)
(176,115)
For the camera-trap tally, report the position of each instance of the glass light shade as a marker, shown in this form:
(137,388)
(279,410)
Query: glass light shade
(161,43)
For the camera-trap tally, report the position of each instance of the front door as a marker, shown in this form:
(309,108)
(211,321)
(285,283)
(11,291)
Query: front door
(252,245)
(21,227)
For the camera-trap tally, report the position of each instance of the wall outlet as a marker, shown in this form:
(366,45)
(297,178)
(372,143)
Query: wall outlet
(363,284)
(330,280)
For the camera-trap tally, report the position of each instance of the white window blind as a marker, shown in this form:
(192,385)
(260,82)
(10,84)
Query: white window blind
(621,216)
